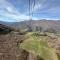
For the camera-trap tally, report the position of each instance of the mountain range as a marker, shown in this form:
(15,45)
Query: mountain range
(45,24)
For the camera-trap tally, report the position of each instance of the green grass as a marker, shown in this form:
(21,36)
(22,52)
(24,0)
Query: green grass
(39,46)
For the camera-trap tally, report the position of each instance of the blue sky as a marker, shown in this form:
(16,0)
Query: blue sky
(18,10)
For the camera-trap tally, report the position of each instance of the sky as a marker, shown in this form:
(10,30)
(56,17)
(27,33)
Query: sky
(18,10)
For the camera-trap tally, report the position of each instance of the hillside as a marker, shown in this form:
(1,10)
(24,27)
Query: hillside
(17,45)
(43,23)
(33,24)
(46,47)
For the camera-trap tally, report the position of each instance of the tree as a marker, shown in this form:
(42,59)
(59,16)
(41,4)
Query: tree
(37,28)
(40,29)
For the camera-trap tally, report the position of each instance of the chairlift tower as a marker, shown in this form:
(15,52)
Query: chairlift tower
(31,8)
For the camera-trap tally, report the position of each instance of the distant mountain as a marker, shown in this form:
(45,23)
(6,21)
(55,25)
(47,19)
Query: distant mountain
(42,23)
(6,23)
(45,24)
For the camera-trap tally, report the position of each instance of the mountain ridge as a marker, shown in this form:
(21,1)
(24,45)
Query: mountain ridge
(45,24)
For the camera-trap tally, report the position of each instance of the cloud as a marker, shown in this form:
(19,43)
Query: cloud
(7,10)
(38,4)
(46,7)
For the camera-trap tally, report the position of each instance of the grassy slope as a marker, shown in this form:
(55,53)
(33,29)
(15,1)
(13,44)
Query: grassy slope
(39,46)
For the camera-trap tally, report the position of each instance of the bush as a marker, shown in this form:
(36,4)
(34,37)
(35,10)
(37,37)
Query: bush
(39,34)
(5,31)
(35,34)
